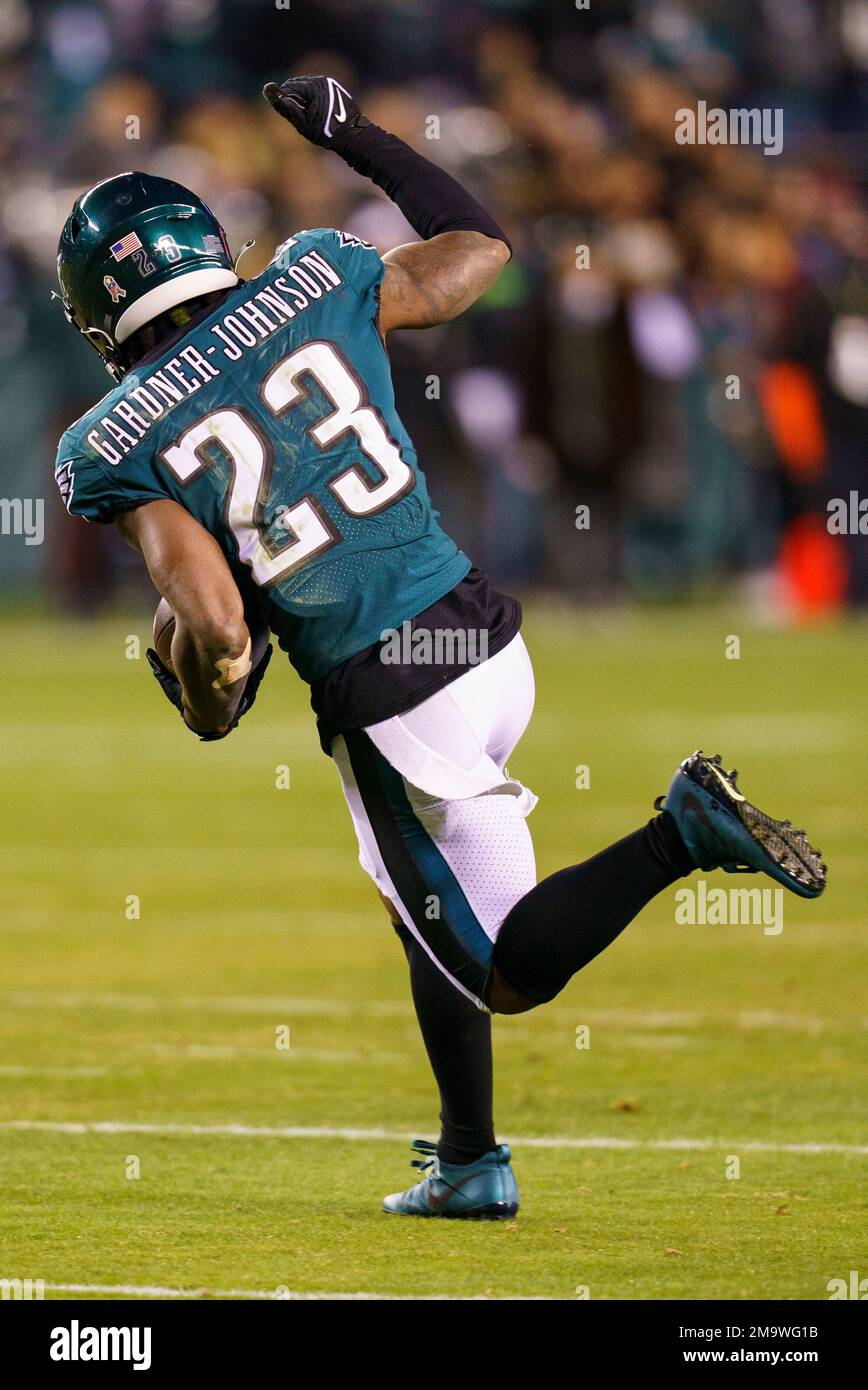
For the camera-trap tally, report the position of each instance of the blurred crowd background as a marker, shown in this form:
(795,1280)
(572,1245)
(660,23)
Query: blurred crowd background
(680,342)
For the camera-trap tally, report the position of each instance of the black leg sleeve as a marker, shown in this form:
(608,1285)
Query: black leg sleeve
(457,1039)
(573,915)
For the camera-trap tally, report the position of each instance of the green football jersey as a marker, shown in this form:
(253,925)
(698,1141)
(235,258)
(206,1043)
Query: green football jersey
(273,422)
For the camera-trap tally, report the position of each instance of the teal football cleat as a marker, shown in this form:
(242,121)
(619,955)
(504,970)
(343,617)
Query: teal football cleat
(722,830)
(484,1190)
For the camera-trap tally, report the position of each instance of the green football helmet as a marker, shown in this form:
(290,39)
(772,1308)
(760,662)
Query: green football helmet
(134,247)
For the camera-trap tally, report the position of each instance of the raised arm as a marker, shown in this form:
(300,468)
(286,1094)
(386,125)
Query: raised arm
(428,282)
(462,250)
(211,646)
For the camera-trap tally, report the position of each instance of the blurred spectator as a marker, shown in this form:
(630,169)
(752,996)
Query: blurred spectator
(680,342)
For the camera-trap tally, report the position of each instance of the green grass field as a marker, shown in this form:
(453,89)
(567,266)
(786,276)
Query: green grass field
(706,1042)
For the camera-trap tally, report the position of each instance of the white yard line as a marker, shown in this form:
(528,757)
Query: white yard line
(155,1291)
(240,1131)
(12,1070)
(394,1008)
(227,1053)
(224,1004)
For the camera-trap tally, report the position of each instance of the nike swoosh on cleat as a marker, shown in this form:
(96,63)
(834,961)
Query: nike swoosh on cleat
(733,791)
(437,1201)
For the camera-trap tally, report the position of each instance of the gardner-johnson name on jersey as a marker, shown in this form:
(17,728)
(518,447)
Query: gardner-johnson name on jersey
(244,327)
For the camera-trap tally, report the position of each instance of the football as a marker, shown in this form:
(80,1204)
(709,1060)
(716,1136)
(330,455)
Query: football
(164,631)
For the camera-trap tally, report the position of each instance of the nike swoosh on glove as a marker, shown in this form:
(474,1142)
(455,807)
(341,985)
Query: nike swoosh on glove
(321,109)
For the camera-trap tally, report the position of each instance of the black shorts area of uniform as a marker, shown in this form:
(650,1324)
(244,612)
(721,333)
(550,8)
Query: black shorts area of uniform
(470,623)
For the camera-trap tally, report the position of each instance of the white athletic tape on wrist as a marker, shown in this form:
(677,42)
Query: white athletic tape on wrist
(232,668)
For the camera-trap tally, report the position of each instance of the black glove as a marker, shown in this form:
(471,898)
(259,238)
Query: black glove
(171,688)
(432,202)
(254,681)
(319,107)
(167,681)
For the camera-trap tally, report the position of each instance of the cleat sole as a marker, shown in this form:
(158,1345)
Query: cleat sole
(784,852)
(790,849)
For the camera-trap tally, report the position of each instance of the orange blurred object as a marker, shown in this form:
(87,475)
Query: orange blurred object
(792,413)
(813,568)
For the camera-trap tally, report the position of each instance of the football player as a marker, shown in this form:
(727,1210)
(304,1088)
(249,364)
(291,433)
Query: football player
(251,450)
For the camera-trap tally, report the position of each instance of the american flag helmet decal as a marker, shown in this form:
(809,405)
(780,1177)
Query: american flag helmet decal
(126,246)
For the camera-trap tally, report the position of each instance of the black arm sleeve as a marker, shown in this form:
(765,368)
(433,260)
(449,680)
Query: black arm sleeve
(430,199)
